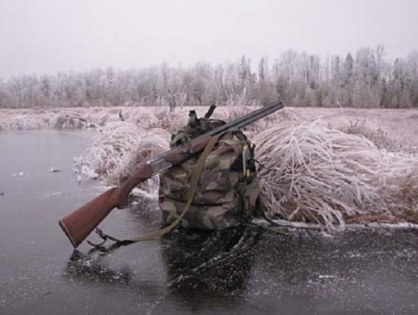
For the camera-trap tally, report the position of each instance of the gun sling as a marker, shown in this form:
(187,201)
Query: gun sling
(193,186)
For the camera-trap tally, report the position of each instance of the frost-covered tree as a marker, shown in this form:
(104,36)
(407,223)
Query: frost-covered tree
(300,79)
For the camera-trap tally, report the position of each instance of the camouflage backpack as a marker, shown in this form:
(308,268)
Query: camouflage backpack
(227,191)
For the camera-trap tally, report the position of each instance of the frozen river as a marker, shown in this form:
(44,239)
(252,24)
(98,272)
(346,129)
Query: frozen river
(240,271)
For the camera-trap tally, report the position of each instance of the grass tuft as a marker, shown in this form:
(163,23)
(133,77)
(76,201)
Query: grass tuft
(316,174)
(119,149)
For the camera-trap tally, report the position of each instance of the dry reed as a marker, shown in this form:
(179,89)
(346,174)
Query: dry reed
(118,151)
(316,174)
(3,124)
(70,120)
(23,122)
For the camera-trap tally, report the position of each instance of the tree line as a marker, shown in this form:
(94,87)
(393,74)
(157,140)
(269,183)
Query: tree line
(365,79)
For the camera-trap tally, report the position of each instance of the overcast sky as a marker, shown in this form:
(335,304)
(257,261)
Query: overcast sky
(46,36)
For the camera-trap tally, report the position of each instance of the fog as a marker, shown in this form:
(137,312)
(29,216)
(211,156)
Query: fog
(46,36)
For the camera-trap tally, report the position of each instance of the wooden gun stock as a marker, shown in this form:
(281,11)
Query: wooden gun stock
(80,223)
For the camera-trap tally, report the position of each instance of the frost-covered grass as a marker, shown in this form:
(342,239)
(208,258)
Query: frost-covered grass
(316,174)
(82,118)
(3,125)
(118,150)
(324,166)
(70,120)
(23,122)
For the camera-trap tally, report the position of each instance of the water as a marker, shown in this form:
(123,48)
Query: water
(239,271)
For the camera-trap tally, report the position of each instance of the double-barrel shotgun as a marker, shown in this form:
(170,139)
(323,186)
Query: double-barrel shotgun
(80,223)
